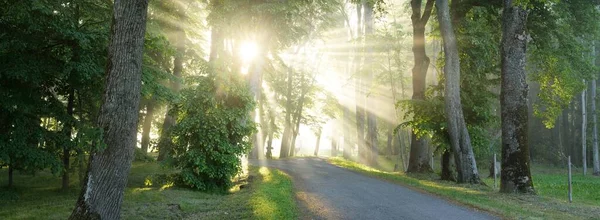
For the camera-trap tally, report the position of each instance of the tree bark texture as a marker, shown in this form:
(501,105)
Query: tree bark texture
(419,158)
(460,140)
(147,125)
(102,193)
(515,173)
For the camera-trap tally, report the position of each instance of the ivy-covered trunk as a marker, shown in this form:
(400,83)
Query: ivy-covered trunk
(460,141)
(419,158)
(102,194)
(515,172)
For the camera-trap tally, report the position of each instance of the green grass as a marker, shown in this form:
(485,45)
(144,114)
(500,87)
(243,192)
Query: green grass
(268,196)
(550,202)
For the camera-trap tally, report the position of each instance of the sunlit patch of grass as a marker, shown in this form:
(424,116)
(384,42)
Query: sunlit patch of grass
(40,197)
(543,206)
(274,199)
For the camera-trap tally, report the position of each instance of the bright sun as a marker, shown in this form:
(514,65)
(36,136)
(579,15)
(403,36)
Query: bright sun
(248,50)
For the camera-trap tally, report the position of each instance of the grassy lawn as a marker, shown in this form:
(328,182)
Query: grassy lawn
(550,203)
(268,195)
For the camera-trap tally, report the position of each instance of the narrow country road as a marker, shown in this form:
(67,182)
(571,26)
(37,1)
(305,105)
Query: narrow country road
(325,191)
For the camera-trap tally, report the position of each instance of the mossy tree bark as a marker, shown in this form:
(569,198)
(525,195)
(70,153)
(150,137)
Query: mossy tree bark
(515,172)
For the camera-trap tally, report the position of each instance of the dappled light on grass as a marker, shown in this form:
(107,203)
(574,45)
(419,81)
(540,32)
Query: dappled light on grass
(274,197)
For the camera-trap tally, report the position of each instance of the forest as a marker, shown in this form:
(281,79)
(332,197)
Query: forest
(244,109)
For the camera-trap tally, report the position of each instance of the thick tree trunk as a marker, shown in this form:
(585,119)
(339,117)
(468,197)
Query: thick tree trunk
(515,174)
(102,194)
(419,158)
(460,140)
(147,125)
(318,142)
(66,149)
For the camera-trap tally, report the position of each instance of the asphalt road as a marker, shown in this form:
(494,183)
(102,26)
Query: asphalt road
(325,191)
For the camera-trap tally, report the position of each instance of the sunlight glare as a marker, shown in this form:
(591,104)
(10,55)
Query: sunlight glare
(248,51)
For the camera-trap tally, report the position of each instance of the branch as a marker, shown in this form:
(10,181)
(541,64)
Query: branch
(427,12)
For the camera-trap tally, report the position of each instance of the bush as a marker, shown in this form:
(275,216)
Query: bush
(212,132)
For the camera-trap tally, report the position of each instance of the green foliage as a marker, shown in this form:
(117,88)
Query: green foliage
(479,59)
(212,131)
(558,56)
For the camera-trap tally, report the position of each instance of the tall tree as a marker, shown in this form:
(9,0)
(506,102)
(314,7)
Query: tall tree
(596,160)
(419,154)
(583,132)
(102,193)
(457,128)
(515,174)
(372,132)
(148,118)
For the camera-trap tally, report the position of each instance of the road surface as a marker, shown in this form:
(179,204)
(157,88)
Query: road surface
(325,191)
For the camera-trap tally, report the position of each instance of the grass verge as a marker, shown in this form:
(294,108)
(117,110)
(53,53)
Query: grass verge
(267,194)
(543,206)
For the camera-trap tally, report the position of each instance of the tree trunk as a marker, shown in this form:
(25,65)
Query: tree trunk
(285,139)
(347,141)
(66,149)
(515,174)
(419,158)
(359,90)
(594,124)
(390,140)
(372,140)
(318,142)
(583,132)
(102,194)
(460,140)
(164,145)
(10,174)
(446,166)
(147,125)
